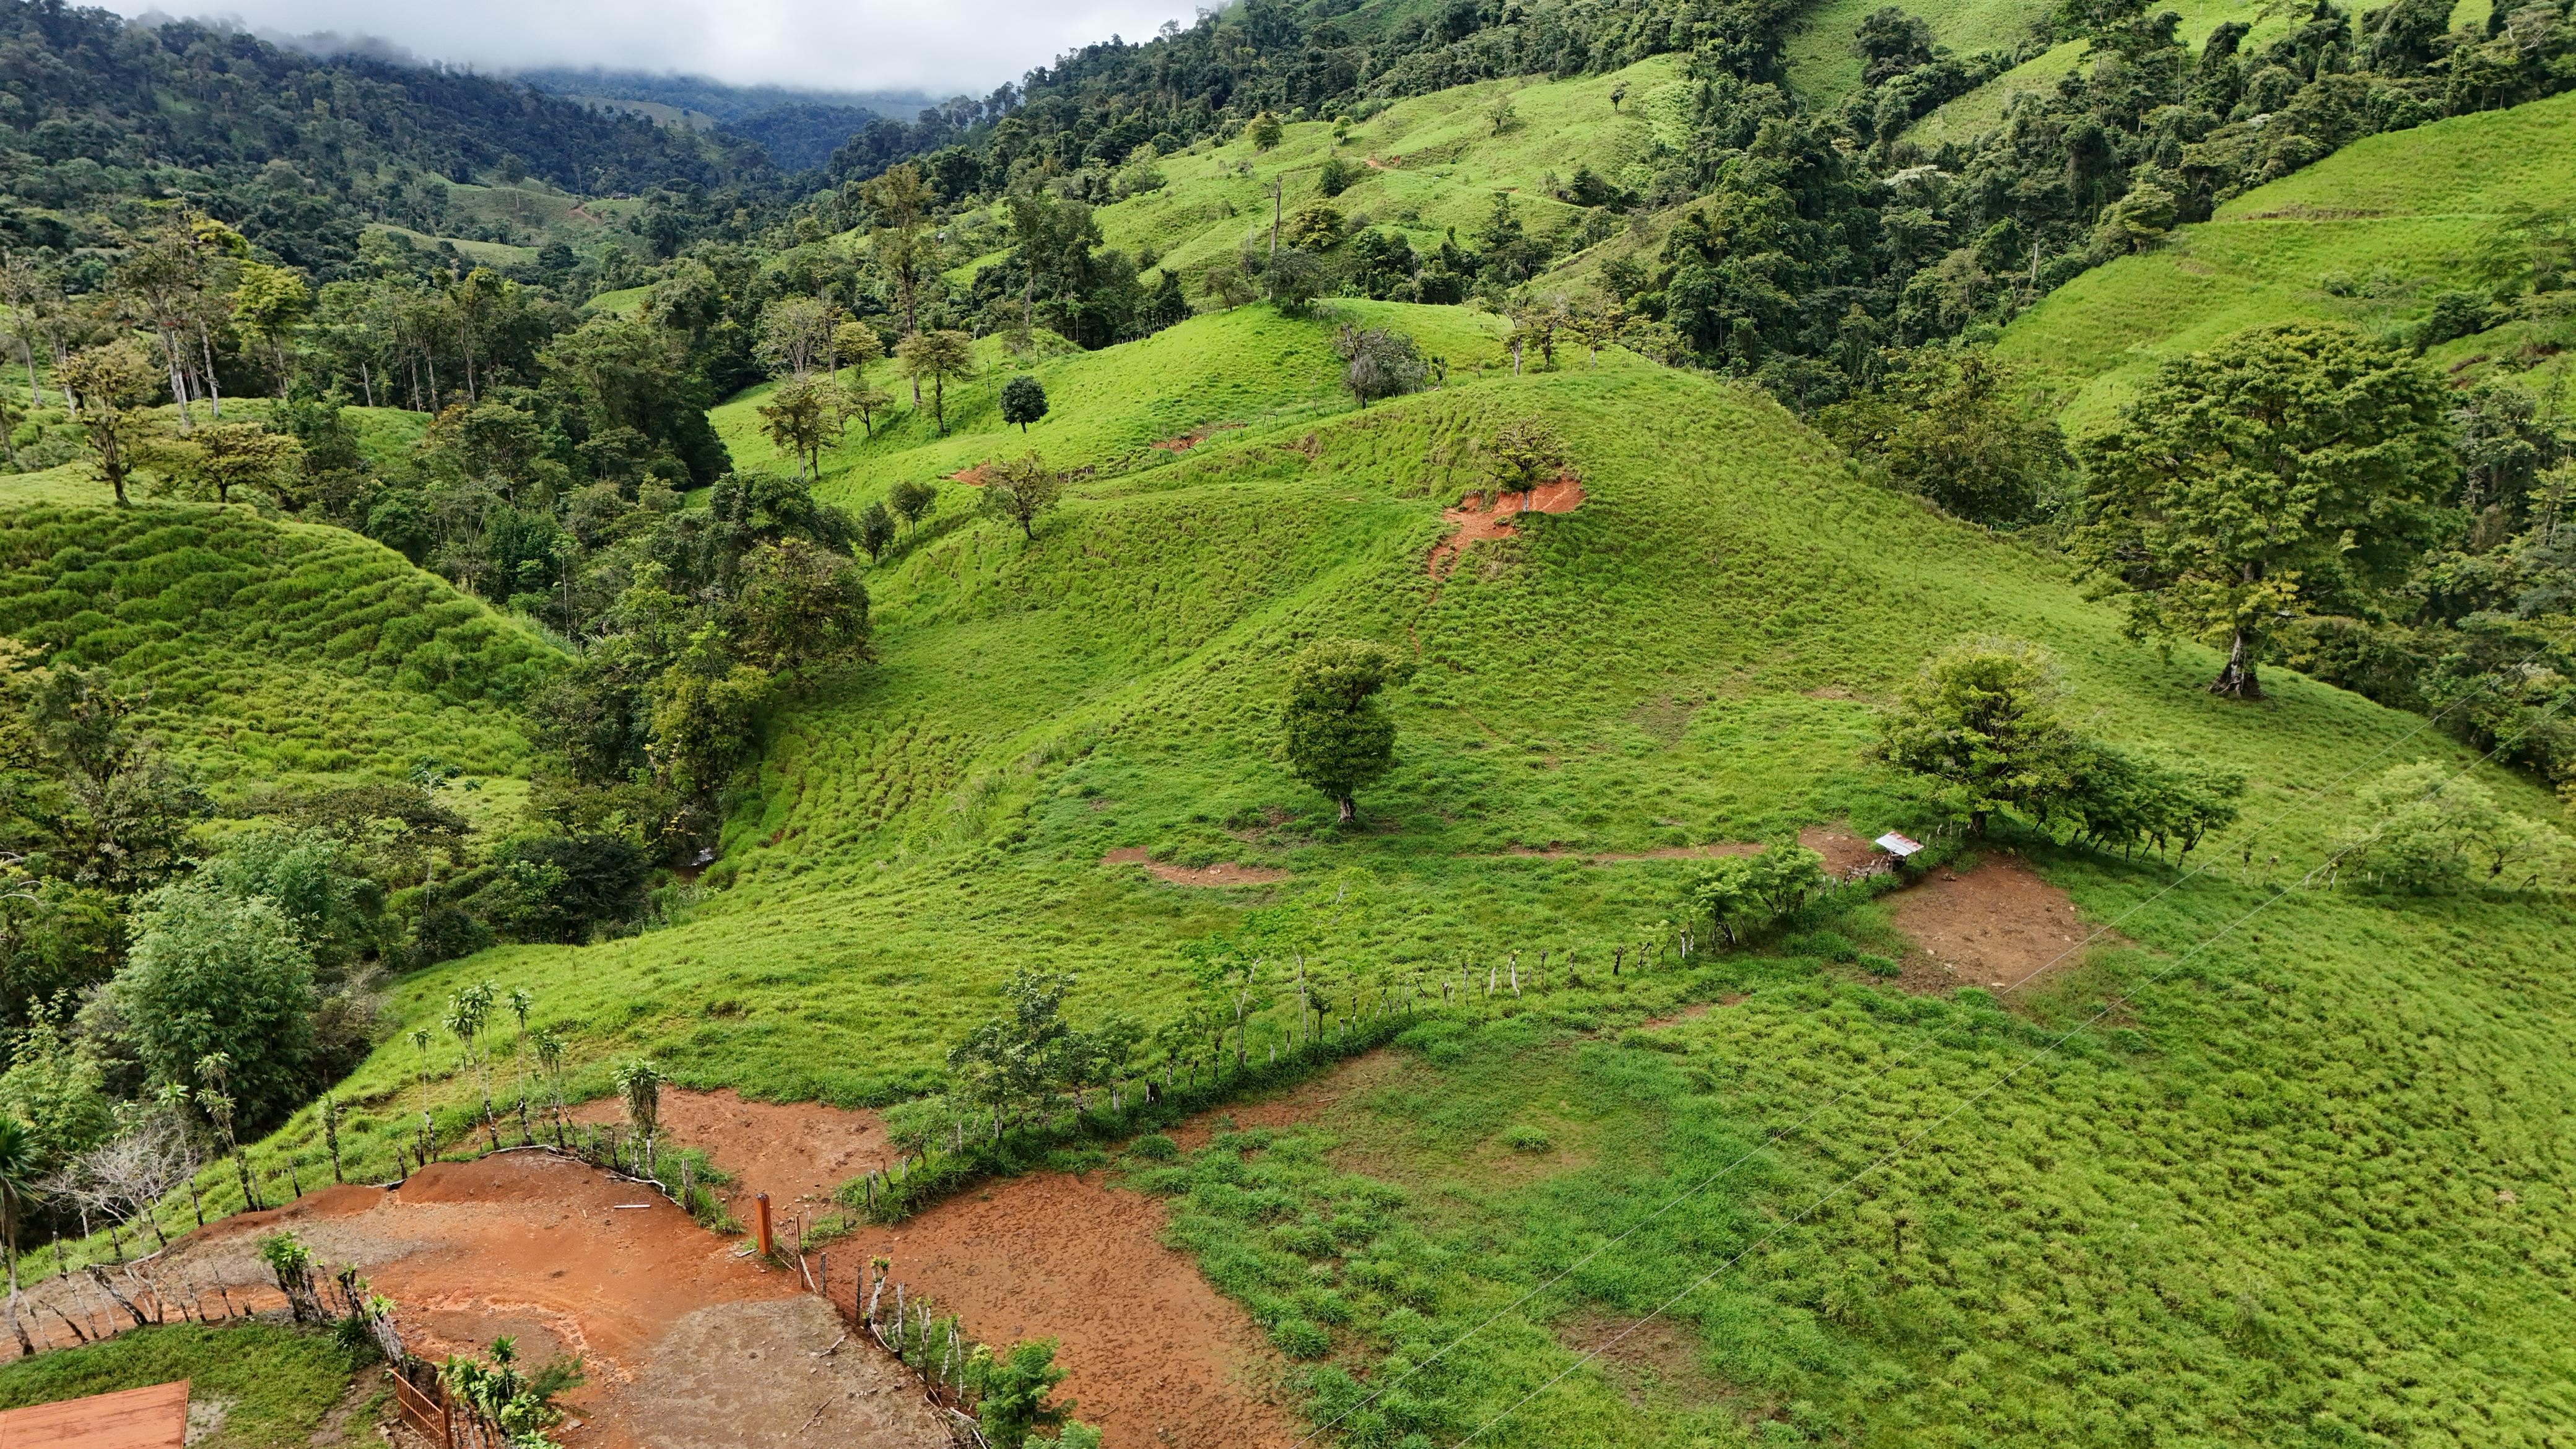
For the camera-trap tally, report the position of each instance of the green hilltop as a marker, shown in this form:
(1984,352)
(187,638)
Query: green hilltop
(1691,657)
(2371,235)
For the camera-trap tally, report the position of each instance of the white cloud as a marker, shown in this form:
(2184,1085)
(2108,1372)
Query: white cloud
(858,45)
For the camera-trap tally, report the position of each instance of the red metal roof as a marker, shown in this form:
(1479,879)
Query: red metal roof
(153,1418)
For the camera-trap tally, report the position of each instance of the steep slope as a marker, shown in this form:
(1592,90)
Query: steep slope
(1427,163)
(2369,235)
(271,651)
(1687,658)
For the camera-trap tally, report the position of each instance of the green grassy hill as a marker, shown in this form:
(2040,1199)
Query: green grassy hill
(272,651)
(1964,118)
(2368,235)
(2240,1210)
(1431,162)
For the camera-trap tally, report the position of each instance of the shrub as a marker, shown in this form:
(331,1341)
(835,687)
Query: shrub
(1337,176)
(1155,1147)
(1522,1137)
(1300,1339)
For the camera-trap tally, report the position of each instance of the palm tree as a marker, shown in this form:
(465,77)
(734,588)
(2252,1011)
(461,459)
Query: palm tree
(18,1157)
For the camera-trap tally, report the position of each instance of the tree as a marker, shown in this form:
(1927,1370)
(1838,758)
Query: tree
(876,530)
(793,419)
(1265,131)
(112,383)
(795,335)
(912,501)
(19,1169)
(801,607)
(902,202)
(93,800)
(1224,283)
(939,358)
(2428,828)
(1501,114)
(1380,362)
(1293,280)
(221,457)
(1523,454)
(269,304)
(1339,737)
(1024,400)
(2289,469)
(1021,490)
(1981,721)
(213,976)
(1957,427)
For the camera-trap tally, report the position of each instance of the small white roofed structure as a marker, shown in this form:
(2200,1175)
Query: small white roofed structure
(1897,845)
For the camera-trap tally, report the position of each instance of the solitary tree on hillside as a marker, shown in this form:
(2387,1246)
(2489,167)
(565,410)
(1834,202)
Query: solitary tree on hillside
(1264,131)
(1024,400)
(1339,736)
(876,530)
(2288,469)
(937,358)
(112,383)
(1981,721)
(912,501)
(1022,489)
(221,457)
(902,201)
(793,419)
(1380,362)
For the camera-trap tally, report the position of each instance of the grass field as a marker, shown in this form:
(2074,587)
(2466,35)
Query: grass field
(271,651)
(2166,1235)
(2367,235)
(252,1385)
(1431,162)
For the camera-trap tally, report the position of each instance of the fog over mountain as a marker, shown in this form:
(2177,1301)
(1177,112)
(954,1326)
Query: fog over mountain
(837,45)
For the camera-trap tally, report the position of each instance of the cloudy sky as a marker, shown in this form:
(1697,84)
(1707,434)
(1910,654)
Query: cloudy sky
(940,46)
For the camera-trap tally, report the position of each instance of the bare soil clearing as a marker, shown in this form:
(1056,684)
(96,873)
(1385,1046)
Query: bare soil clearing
(1151,1353)
(1223,873)
(797,1152)
(1655,1361)
(1846,854)
(1997,926)
(535,1245)
(1478,519)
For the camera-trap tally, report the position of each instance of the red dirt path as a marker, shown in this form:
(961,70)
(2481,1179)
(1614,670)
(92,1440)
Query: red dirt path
(1151,1353)
(797,1152)
(541,1247)
(1477,523)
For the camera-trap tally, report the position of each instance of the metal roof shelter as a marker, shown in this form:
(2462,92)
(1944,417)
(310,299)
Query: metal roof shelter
(153,1418)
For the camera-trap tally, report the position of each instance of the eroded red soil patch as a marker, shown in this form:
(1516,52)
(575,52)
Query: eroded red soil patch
(1151,1353)
(797,1152)
(1997,926)
(549,1249)
(1223,873)
(975,477)
(1477,520)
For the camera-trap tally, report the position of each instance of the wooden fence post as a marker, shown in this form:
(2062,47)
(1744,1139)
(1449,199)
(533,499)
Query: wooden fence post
(760,1211)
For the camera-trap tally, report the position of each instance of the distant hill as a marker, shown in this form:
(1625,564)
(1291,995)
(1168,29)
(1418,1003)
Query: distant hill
(715,98)
(802,135)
